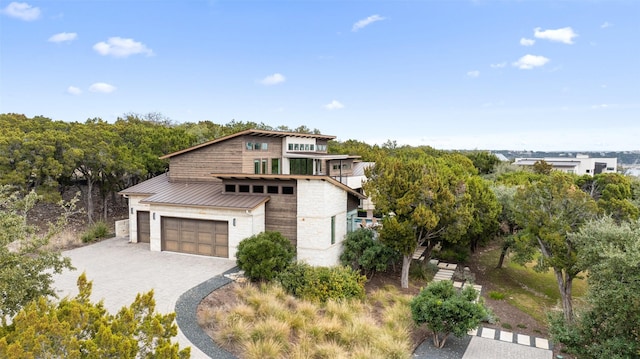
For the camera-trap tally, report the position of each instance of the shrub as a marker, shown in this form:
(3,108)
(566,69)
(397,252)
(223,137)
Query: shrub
(264,255)
(322,283)
(363,252)
(454,255)
(96,231)
(419,270)
(446,310)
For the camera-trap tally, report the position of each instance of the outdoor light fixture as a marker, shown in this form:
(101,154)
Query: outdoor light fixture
(234,222)
(154,216)
(131,210)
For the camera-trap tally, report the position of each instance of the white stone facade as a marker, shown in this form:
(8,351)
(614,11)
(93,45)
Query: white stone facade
(318,203)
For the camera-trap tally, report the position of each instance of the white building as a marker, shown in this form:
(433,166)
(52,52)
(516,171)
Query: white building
(580,165)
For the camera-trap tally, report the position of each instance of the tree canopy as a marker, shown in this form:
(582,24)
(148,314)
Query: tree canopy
(547,211)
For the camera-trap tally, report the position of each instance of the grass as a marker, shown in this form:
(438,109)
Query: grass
(267,323)
(532,292)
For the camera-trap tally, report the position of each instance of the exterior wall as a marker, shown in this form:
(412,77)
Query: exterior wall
(318,201)
(581,165)
(223,157)
(345,168)
(274,150)
(248,223)
(122,227)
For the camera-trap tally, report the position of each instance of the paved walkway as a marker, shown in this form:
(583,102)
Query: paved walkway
(120,270)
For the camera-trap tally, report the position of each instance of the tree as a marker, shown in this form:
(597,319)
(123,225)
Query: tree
(547,211)
(26,265)
(446,310)
(542,167)
(609,325)
(425,198)
(484,161)
(613,194)
(264,255)
(78,328)
(485,212)
(364,253)
(507,217)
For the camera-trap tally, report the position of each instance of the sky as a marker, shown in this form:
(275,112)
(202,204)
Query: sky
(540,75)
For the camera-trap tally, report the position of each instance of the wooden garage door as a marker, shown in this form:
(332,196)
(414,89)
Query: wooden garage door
(144,227)
(195,236)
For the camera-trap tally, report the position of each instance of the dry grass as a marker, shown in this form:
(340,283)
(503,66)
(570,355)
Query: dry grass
(66,239)
(268,323)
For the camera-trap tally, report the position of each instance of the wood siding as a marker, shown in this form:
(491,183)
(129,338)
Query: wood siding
(231,156)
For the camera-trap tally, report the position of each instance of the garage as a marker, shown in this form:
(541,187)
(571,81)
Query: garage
(144,227)
(195,236)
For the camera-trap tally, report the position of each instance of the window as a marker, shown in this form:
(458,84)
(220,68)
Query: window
(243,188)
(264,146)
(258,189)
(291,147)
(264,166)
(296,146)
(275,166)
(311,147)
(229,188)
(306,147)
(272,189)
(256,146)
(287,190)
(256,166)
(333,229)
(301,166)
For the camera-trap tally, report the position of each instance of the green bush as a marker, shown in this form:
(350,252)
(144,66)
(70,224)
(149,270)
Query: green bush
(264,255)
(422,270)
(454,255)
(496,295)
(320,284)
(98,230)
(445,310)
(363,252)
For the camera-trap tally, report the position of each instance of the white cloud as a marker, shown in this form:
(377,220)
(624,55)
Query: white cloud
(63,37)
(334,105)
(102,87)
(119,47)
(498,65)
(74,90)
(273,79)
(474,73)
(564,35)
(22,11)
(527,62)
(605,25)
(365,22)
(527,42)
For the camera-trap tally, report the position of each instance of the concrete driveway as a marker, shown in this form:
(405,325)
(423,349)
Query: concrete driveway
(120,270)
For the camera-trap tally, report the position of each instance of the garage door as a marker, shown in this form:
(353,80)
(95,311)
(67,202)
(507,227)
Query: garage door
(144,227)
(194,236)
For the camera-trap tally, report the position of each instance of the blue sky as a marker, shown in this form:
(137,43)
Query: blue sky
(452,74)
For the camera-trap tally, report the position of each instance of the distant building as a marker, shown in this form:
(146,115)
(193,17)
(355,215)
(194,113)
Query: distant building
(580,165)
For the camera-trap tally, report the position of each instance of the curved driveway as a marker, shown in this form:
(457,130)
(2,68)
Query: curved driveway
(120,270)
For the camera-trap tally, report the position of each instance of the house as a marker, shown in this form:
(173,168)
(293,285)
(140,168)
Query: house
(220,192)
(579,165)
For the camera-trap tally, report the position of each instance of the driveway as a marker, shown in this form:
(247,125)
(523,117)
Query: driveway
(120,270)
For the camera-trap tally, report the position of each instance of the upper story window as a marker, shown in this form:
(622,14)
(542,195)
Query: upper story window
(322,148)
(256,146)
(302,147)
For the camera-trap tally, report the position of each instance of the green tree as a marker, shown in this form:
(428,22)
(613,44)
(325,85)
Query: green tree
(425,198)
(613,194)
(485,162)
(78,328)
(26,265)
(446,310)
(364,253)
(542,167)
(547,211)
(264,255)
(507,217)
(485,211)
(609,325)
